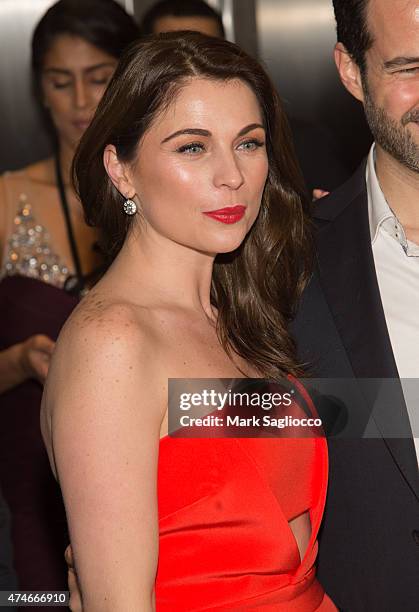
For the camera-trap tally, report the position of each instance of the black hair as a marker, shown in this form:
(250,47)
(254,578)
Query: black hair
(352,29)
(102,23)
(179,8)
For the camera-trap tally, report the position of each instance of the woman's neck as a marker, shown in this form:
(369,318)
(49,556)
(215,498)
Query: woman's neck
(66,154)
(165,272)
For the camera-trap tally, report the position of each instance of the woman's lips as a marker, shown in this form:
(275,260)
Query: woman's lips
(81,125)
(229,214)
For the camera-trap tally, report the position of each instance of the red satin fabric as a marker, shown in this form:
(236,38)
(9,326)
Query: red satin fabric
(225,541)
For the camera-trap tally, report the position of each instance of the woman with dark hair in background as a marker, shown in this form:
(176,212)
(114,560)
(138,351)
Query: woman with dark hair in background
(188,171)
(47,259)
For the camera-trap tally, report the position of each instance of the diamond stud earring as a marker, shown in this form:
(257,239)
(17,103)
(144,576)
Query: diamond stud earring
(130,207)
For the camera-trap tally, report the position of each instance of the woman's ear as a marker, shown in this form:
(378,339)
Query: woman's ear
(118,172)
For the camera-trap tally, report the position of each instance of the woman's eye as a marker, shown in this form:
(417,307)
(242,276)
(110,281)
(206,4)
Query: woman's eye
(61,85)
(103,81)
(251,145)
(193,148)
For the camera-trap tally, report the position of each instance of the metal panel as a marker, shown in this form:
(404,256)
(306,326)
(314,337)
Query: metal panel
(245,26)
(296,40)
(22,139)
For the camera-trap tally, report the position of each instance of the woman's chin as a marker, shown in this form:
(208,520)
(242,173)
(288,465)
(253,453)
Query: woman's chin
(227,241)
(226,247)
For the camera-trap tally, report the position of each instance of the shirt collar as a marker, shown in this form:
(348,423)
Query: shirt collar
(380,214)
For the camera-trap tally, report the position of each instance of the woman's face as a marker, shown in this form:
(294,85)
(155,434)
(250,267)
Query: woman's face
(74,77)
(202,166)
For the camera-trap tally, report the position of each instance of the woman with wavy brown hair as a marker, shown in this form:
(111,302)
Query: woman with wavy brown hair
(188,171)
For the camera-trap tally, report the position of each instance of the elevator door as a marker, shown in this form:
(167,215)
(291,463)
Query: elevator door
(296,40)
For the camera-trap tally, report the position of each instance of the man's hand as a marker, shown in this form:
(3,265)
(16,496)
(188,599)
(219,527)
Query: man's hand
(73,585)
(35,356)
(319,193)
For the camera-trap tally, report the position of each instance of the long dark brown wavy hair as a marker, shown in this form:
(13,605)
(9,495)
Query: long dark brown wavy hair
(256,287)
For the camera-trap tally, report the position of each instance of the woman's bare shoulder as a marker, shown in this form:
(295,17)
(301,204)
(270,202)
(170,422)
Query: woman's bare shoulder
(11,179)
(102,324)
(15,188)
(39,172)
(12,185)
(103,360)
(101,424)
(101,421)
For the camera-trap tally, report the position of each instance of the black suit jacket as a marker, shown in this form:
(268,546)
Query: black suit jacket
(318,155)
(369,543)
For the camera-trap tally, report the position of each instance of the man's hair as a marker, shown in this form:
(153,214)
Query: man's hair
(179,8)
(352,29)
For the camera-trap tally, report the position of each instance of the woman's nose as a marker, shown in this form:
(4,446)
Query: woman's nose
(228,172)
(80,94)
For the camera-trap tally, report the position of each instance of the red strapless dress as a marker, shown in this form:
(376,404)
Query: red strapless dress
(225,541)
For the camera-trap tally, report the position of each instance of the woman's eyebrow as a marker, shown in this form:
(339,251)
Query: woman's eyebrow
(200,132)
(194,131)
(53,70)
(249,128)
(101,65)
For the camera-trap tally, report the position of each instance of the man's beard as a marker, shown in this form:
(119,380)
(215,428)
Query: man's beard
(392,136)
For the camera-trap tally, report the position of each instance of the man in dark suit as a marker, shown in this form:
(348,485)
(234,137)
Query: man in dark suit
(359,317)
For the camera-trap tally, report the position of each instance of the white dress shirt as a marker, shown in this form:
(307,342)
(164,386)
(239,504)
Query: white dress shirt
(397,266)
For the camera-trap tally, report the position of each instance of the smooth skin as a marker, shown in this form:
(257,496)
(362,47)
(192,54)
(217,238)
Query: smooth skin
(75,75)
(149,319)
(205,25)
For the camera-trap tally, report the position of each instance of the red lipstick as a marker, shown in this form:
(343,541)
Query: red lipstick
(229,214)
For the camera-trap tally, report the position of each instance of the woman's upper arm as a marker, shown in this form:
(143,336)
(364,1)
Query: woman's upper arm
(105,423)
